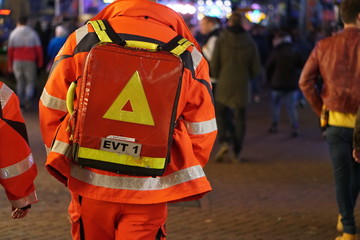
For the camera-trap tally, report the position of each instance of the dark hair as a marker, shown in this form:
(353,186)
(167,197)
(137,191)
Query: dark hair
(213,20)
(235,19)
(23,20)
(349,10)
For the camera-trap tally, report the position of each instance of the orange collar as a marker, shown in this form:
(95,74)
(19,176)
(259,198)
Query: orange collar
(159,12)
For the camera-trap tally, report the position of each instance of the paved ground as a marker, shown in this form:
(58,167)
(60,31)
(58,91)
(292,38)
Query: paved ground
(283,190)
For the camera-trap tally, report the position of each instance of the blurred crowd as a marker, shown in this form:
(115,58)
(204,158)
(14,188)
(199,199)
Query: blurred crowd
(262,59)
(275,57)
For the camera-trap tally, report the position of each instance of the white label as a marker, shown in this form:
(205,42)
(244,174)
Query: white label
(120,147)
(121,138)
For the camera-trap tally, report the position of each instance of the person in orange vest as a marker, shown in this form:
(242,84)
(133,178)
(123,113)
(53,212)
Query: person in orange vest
(17,166)
(106,205)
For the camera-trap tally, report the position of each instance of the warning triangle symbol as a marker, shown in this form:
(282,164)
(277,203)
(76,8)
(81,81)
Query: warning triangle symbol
(131,105)
(127,107)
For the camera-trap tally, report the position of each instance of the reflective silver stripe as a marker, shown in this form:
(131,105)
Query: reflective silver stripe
(196,57)
(47,150)
(17,168)
(201,127)
(137,183)
(61,148)
(53,102)
(80,33)
(5,94)
(23,202)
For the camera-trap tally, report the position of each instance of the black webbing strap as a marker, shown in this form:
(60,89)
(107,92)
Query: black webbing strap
(177,46)
(112,34)
(17,126)
(173,43)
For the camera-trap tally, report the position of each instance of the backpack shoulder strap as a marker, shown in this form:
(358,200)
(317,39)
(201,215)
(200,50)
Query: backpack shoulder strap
(177,45)
(105,32)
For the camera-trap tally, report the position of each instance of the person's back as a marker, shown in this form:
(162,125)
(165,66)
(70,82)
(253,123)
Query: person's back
(234,64)
(338,57)
(24,44)
(283,69)
(284,65)
(25,55)
(336,60)
(125,195)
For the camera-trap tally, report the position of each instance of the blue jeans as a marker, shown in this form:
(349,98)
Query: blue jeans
(290,102)
(346,173)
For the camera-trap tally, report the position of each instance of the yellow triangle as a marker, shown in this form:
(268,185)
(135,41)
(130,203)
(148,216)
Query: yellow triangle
(133,92)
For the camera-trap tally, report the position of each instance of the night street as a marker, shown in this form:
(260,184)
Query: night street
(283,190)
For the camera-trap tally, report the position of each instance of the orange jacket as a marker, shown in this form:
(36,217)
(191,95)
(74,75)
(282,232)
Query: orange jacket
(17,167)
(193,136)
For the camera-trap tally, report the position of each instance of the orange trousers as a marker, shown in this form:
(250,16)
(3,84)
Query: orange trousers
(93,220)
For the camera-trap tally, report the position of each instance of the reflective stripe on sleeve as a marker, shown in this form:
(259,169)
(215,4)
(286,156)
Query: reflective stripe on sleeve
(80,33)
(61,148)
(47,150)
(196,57)
(23,202)
(53,102)
(201,127)
(5,94)
(137,183)
(17,168)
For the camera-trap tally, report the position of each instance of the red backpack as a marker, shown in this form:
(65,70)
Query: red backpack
(126,105)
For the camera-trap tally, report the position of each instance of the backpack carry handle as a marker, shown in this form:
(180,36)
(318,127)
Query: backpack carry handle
(70,97)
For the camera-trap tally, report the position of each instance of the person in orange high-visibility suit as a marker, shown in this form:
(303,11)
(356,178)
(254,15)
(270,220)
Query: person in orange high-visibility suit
(107,205)
(17,167)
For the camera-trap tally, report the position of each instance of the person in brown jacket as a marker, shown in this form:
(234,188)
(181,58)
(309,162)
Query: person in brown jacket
(336,60)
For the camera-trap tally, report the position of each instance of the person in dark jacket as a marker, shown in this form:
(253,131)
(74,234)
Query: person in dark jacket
(336,60)
(234,64)
(283,69)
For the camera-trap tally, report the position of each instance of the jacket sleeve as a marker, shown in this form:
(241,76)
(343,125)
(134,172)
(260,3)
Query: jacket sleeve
(255,63)
(199,113)
(270,66)
(53,112)
(17,167)
(52,105)
(215,62)
(307,82)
